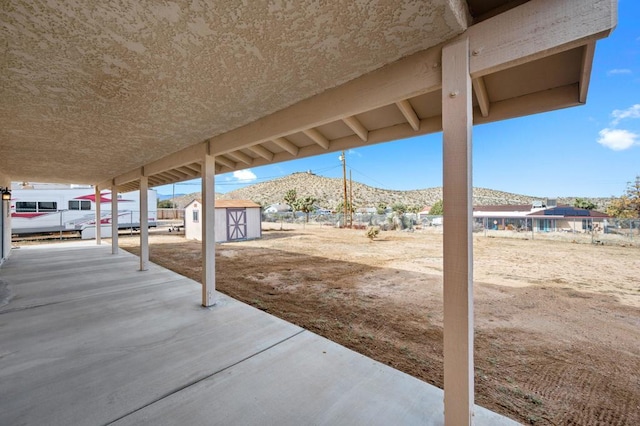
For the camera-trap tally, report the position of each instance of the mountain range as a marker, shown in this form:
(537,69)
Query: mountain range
(330,192)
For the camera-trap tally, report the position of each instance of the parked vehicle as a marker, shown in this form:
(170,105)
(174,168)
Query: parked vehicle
(54,209)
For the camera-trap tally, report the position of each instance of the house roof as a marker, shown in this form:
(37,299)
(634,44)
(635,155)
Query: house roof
(504,208)
(104,93)
(280,207)
(525,210)
(568,212)
(223,204)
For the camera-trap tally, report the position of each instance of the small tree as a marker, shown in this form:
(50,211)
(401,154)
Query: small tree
(621,208)
(633,193)
(583,203)
(305,205)
(381,208)
(399,208)
(166,204)
(290,198)
(437,209)
(372,232)
(340,207)
(628,205)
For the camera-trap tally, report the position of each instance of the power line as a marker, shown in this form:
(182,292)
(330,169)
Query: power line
(382,185)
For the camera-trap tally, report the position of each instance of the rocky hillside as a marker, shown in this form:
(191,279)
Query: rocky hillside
(329,192)
(182,200)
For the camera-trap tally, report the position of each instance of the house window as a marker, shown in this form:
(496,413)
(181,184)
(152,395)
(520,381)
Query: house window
(546,225)
(79,205)
(196,216)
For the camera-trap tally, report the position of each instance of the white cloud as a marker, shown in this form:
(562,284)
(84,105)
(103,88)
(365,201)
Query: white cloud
(617,71)
(244,175)
(354,153)
(621,114)
(618,140)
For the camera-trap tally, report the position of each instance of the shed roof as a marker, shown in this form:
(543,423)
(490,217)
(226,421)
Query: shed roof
(223,204)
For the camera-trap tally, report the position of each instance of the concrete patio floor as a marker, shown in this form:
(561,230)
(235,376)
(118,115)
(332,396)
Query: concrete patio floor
(86,339)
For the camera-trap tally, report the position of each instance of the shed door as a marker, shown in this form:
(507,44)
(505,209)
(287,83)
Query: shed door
(236,224)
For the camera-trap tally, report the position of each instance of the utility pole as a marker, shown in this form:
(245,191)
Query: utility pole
(350,200)
(343,158)
(174,213)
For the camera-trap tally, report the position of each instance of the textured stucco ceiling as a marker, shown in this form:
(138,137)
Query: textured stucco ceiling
(92,89)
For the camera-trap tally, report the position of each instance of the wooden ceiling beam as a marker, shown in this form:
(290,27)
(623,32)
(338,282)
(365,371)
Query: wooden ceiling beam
(480,90)
(406,78)
(176,173)
(547,100)
(317,137)
(357,127)
(409,114)
(585,70)
(241,156)
(154,181)
(225,161)
(195,167)
(535,30)
(386,134)
(261,151)
(287,146)
(130,176)
(188,171)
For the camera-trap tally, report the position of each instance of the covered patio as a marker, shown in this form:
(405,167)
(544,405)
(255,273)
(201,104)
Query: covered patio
(132,348)
(135,94)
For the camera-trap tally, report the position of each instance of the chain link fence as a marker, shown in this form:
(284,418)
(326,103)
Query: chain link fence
(611,231)
(386,222)
(602,231)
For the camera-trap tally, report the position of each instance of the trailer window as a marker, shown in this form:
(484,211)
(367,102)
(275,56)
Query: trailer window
(196,216)
(25,206)
(79,205)
(47,206)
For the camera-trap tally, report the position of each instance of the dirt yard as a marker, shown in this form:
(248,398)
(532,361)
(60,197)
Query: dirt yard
(557,324)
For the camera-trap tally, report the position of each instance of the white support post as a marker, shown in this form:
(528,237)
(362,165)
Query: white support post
(114,219)
(208,231)
(458,243)
(144,223)
(98,216)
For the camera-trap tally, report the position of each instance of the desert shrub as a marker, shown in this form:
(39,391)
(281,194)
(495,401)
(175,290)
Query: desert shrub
(372,232)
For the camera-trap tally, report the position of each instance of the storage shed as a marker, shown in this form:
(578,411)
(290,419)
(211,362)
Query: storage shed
(235,220)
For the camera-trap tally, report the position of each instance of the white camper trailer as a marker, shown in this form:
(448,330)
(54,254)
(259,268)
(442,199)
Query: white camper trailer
(55,208)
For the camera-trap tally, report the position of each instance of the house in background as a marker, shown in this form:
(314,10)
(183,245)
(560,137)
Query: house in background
(505,216)
(235,220)
(540,217)
(278,208)
(568,219)
(424,213)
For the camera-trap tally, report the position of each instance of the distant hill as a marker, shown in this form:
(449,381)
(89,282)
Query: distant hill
(329,192)
(163,197)
(184,199)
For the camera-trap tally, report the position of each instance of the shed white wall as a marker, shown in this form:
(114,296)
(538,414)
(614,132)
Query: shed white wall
(193,230)
(254,223)
(221,225)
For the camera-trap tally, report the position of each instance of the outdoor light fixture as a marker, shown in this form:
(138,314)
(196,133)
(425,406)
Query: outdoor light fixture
(6,194)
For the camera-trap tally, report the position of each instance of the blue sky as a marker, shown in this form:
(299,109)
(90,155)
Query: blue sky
(586,151)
